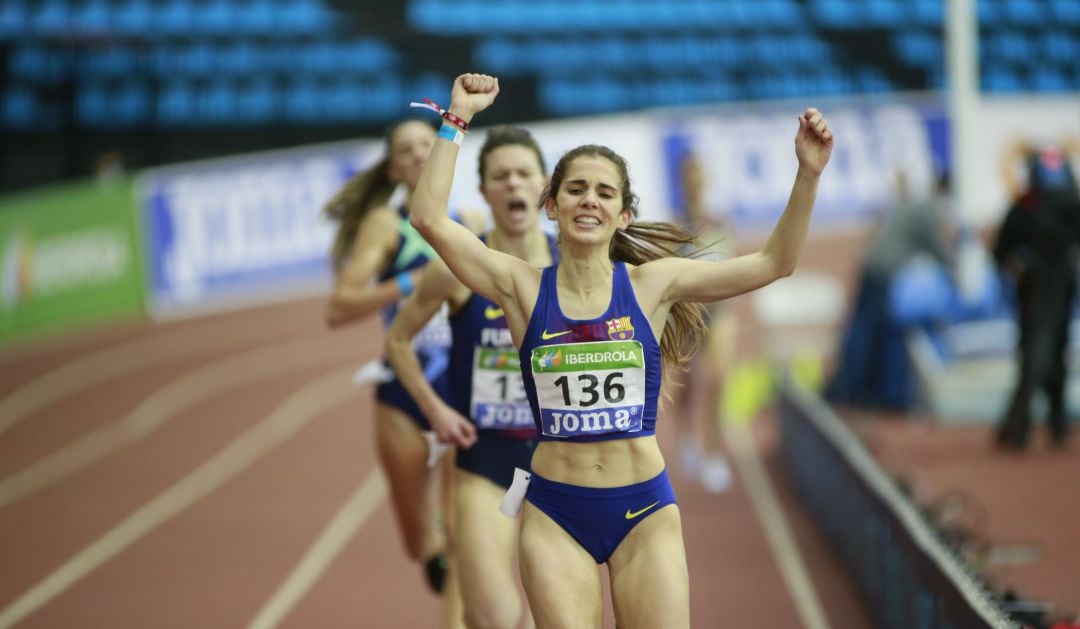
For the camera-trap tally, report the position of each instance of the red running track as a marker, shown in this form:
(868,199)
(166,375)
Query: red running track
(220,472)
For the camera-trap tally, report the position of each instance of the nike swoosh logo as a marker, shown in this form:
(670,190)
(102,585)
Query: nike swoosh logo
(548,335)
(630,515)
(492,313)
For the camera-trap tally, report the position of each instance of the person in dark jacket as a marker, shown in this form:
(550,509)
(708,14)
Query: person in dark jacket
(1038,245)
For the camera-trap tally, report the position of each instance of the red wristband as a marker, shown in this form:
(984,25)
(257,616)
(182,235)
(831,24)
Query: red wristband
(455,120)
(446,115)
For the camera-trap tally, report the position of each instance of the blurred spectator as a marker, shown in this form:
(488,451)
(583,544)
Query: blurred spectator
(1037,245)
(109,167)
(700,448)
(873,369)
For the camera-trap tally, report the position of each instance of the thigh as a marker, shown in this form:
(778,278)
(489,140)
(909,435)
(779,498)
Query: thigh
(650,585)
(561,579)
(485,541)
(401,446)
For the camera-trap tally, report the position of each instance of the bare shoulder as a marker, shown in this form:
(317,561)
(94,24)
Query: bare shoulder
(654,270)
(383,216)
(474,219)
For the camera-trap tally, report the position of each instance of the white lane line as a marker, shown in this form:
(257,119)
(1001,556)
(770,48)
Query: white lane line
(777,531)
(282,423)
(118,361)
(349,519)
(154,411)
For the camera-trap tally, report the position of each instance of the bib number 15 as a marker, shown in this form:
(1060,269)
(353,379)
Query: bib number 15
(588,390)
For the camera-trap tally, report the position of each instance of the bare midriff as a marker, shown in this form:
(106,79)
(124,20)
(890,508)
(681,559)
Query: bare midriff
(599,463)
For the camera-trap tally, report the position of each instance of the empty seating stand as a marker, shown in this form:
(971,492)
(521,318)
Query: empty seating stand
(129,63)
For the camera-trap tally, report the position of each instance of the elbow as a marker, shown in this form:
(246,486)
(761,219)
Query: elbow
(785,270)
(420,222)
(332,318)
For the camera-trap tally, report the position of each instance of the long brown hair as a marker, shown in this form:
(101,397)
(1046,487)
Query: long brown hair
(642,242)
(363,191)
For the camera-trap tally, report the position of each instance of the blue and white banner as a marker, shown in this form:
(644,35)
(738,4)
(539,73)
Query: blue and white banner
(748,159)
(243,230)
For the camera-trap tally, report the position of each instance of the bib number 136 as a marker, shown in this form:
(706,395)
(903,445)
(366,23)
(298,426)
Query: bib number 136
(590,388)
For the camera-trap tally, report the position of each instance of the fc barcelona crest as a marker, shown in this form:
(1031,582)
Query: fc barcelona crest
(620,329)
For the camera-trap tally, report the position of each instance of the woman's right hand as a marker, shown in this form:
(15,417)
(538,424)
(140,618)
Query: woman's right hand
(473,93)
(452,427)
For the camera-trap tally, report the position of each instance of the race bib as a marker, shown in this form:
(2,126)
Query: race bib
(590,388)
(498,394)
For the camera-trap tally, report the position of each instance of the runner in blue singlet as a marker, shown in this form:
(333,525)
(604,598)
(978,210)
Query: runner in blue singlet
(593,333)
(487,415)
(378,257)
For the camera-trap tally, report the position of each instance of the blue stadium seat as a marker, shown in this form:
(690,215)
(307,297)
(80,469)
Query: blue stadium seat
(1065,12)
(367,56)
(309,17)
(302,101)
(217,103)
(1001,79)
(256,103)
(990,13)
(1023,12)
(92,104)
(129,105)
(1010,47)
(254,17)
(51,18)
(240,58)
(837,13)
(176,104)
(886,13)
(14,18)
(1061,46)
(919,48)
(213,18)
(19,108)
(928,13)
(93,17)
(175,18)
(110,63)
(1049,79)
(133,17)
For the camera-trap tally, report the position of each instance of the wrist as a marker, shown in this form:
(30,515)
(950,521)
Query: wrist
(805,172)
(404,283)
(463,113)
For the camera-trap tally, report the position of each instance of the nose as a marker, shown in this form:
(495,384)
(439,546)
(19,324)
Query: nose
(589,199)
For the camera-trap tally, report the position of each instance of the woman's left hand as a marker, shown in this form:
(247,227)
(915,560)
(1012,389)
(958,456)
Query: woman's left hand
(814,141)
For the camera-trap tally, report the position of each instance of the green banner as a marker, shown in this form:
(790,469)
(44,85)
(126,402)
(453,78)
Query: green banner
(498,359)
(588,356)
(69,256)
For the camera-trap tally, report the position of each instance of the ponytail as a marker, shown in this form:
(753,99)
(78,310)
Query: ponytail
(646,241)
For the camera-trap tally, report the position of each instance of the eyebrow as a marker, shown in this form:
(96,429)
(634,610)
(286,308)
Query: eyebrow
(582,182)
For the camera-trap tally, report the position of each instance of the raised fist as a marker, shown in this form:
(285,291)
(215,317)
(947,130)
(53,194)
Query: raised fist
(473,93)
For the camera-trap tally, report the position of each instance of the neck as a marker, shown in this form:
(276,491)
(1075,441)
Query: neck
(585,272)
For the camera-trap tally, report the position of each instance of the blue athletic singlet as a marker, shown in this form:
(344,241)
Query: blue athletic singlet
(432,342)
(596,379)
(485,374)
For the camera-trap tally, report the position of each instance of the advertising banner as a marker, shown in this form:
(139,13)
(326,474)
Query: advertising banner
(236,231)
(747,159)
(68,256)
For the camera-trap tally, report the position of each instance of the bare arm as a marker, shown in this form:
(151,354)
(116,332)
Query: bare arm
(485,271)
(355,295)
(436,287)
(678,279)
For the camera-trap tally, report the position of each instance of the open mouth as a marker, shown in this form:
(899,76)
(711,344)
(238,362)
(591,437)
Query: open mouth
(586,220)
(517,205)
